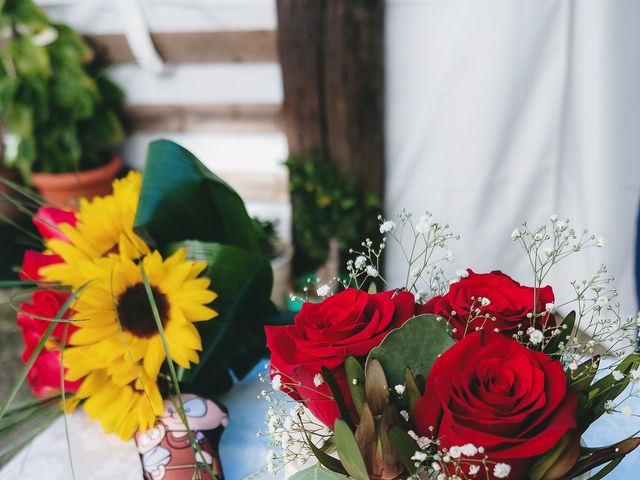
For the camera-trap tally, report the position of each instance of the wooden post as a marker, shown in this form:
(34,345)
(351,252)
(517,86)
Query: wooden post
(332,58)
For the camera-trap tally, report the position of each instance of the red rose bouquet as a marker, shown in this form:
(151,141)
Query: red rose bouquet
(475,378)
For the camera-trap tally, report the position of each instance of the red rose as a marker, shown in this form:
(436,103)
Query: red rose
(44,376)
(509,304)
(47,220)
(32,263)
(324,334)
(491,391)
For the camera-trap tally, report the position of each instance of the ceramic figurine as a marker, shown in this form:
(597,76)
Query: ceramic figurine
(165,450)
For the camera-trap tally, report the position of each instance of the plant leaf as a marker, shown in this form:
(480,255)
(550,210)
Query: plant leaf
(376,387)
(405,447)
(316,473)
(413,394)
(608,388)
(566,328)
(349,452)
(600,456)
(338,397)
(417,345)
(234,339)
(355,373)
(324,458)
(181,199)
(559,460)
(584,375)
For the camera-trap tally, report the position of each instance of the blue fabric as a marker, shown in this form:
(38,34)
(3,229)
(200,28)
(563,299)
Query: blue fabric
(244,454)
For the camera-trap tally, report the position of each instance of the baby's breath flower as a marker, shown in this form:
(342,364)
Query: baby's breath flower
(404,414)
(536,336)
(419,456)
(399,389)
(323,290)
(501,470)
(276,382)
(455,452)
(550,307)
(371,271)
(469,450)
(388,227)
(474,469)
(516,234)
(360,262)
(617,375)
(609,406)
(318,380)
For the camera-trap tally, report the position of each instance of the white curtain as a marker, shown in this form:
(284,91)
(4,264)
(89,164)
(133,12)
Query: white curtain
(500,110)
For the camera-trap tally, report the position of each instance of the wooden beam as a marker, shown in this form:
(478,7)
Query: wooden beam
(205,118)
(332,59)
(196,47)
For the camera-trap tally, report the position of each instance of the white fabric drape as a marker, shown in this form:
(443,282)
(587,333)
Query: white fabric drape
(500,110)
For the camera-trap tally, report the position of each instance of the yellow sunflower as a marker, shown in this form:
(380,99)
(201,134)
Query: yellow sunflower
(118,336)
(122,410)
(104,226)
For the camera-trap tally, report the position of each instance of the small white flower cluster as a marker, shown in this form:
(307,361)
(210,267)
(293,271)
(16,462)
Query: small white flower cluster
(454,463)
(424,246)
(288,423)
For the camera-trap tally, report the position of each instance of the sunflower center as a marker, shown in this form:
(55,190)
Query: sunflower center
(135,314)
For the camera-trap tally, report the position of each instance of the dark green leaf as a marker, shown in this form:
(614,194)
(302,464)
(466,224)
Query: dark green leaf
(405,447)
(325,459)
(235,338)
(338,397)
(348,451)
(608,388)
(181,199)
(417,345)
(413,394)
(582,377)
(356,382)
(566,327)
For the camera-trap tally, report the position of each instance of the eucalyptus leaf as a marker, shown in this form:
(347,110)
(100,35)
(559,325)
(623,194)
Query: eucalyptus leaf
(317,472)
(348,451)
(417,345)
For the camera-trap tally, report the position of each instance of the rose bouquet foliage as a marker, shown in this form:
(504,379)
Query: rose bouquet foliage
(155,289)
(477,377)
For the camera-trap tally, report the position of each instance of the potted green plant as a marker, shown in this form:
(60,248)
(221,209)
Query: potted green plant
(280,255)
(61,116)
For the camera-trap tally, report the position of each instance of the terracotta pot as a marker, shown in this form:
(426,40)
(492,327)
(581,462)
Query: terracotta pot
(7,209)
(63,189)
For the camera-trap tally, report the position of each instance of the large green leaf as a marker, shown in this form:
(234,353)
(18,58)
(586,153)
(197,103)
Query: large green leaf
(182,200)
(417,345)
(234,339)
(316,472)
